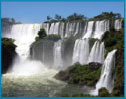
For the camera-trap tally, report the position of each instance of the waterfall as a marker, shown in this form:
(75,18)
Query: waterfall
(101,28)
(24,35)
(70,29)
(5,29)
(107,80)
(51,30)
(58,62)
(46,27)
(60,54)
(61,29)
(89,31)
(81,51)
(56,28)
(97,53)
(77,29)
(65,30)
(118,24)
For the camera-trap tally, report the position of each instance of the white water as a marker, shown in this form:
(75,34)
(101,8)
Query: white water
(101,28)
(56,28)
(81,51)
(24,35)
(51,30)
(58,61)
(89,31)
(118,24)
(77,29)
(97,53)
(61,30)
(107,80)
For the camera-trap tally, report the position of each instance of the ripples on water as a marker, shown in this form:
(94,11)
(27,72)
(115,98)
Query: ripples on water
(39,85)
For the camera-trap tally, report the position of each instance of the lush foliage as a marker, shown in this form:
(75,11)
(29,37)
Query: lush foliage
(115,40)
(80,74)
(70,18)
(9,21)
(8,53)
(106,15)
(76,17)
(41,34)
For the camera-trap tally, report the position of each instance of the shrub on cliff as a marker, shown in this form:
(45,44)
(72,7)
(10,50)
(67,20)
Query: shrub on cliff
(41,34)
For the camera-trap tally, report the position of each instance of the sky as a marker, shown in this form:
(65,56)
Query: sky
(36,12)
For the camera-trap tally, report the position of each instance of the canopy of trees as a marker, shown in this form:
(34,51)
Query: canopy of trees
(107,15)
(71,18)
(80,17)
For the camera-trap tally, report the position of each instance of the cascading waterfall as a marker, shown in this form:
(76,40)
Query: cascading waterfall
(65,30)
(61,30)
(51,30)
(81,51)
(101,28)
(89,31)
(77,29)
(58,61)
(24,35)
(70,29)
(107,80)
(56,28)
(97,53)
(118,24)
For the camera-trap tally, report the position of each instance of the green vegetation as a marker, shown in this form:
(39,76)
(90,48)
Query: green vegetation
(44,45)
(106,15)
(115,40)
(76,17)
(85,75)
(9,21)
(8,53)
(72,18)
(43,36)
(79,74)
(103,92)
(80,18)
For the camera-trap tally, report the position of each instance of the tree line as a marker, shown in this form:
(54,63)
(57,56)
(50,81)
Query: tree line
(81,17)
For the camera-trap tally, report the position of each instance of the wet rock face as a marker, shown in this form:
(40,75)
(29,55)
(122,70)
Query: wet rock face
(43,51)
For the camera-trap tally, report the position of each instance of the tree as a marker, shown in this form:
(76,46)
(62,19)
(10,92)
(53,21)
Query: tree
(57,17)
(49,18)
(118,15)
(76,17)
(13,20)
(42,34)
